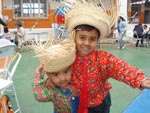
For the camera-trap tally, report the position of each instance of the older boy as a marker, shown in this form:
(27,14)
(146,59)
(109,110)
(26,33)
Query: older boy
(88,20)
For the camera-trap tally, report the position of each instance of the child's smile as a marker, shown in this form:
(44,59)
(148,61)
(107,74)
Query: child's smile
(86,41)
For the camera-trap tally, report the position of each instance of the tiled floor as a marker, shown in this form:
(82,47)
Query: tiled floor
(121,94)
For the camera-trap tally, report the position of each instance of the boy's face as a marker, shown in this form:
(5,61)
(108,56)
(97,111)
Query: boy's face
(86,41)
(61,78)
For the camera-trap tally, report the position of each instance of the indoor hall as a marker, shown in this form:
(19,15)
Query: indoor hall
(122,95)
(45,23)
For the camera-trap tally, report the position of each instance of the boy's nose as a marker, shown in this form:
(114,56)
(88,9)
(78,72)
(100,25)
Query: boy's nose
(86,42)
(62,77)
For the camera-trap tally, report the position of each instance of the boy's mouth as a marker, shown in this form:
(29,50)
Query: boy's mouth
(86,49)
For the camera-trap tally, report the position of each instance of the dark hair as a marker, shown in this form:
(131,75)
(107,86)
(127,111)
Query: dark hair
(18,23)
(145,25)
(2,22)
(6,29)
(123,19)
(87,28)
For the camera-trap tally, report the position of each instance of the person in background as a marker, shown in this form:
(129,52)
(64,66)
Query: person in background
(5,29)
(122,28)
(145,33)
(148,37)
(2,22)
(138,33)
(19,34)
(56,59)
(145,29)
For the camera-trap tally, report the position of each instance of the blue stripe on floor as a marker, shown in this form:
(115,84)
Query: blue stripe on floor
(141,104)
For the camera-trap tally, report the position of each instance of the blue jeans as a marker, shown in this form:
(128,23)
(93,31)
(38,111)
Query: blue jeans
(121,42)
(102,108)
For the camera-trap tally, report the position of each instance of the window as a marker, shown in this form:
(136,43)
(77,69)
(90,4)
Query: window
(147,3)
(30,8)
(136,10)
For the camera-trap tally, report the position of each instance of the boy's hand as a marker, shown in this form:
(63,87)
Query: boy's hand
(15,32)
(40,69)
(145,83)
(49,83)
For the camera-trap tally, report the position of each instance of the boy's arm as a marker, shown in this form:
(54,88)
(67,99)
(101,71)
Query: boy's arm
(41,93)
(122,71)
(2,22)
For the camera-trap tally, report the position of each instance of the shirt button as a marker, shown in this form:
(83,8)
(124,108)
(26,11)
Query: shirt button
(73,98)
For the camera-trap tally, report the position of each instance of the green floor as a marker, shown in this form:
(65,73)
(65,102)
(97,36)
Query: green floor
(121,94)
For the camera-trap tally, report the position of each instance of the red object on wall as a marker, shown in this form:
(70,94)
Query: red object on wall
(60,19)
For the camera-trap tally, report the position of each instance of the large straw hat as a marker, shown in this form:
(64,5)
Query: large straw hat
(98,13)
(55,55)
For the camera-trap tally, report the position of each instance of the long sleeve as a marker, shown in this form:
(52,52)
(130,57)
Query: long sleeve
(2,22)
(102,66)
(21,32)
(122,26)
(41,93)
(122,71)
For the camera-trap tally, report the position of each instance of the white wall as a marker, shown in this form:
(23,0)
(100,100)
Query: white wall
(8,4)
(123,8)
(1,15)
(53,5)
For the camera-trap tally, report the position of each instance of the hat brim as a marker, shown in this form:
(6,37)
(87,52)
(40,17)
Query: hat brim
(83,16)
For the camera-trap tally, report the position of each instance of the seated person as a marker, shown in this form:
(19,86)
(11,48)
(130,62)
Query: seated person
(145,32)
(148,36)
(138,33)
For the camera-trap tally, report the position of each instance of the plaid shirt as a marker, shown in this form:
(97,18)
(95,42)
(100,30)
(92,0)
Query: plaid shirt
(65,100)
(100,67)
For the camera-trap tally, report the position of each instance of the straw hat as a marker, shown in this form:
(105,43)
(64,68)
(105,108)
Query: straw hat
(55,55)
(98,13)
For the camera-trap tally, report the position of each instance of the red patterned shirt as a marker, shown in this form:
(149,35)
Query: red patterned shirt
(101,66)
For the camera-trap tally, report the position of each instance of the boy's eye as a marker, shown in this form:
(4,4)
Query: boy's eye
(55,74)
(82,38)
(65,72)
(93,39)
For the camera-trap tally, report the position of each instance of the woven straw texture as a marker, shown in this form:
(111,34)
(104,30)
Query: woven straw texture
(55,55)
(98,13)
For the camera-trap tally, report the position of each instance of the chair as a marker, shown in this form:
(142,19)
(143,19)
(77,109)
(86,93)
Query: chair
(8,54)
(4,41)
(6,57)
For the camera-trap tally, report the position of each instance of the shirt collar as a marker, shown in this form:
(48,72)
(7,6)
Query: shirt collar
(92,56)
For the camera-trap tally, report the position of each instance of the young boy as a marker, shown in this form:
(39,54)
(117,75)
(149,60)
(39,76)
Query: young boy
(19,34)
(92,68)
(57,58)
(89,20)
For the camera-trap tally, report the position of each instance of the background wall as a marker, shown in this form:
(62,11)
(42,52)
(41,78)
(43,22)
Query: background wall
(7,11)
(123,8)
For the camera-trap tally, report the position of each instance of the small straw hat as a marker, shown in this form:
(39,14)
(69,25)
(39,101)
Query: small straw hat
(98,13)
(55,55)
